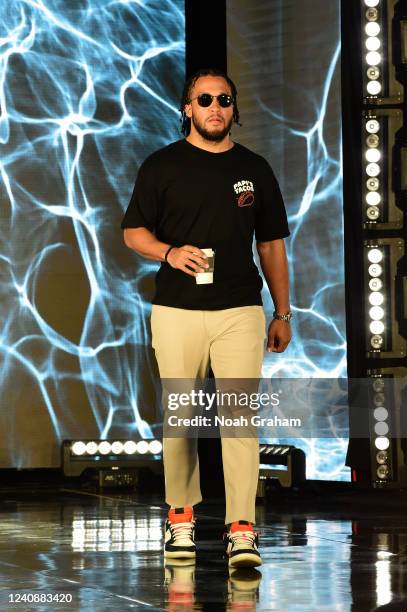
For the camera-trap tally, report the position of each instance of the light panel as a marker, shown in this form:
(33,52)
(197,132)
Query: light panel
(116,447)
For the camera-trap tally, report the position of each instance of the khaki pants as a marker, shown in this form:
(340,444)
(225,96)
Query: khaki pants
(232,341)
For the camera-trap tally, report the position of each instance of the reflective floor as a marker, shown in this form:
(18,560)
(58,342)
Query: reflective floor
(67,549)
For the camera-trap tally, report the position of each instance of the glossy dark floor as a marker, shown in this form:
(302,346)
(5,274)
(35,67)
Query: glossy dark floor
(104,552)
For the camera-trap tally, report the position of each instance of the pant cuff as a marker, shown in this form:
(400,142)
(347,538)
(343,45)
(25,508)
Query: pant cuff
(177,504)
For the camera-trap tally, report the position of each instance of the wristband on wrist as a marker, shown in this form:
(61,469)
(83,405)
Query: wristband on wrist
(166,255)
(283,317)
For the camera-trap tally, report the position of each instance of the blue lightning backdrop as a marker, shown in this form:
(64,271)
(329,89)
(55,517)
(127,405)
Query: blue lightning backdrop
(285,57)
(87,90)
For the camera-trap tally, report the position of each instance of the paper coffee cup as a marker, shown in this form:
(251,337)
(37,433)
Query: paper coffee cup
(206,278)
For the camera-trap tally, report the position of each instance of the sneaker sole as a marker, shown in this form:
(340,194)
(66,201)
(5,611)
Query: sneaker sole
(245,560)
(182,554)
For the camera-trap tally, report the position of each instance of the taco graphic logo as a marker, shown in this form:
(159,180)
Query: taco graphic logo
(245,191)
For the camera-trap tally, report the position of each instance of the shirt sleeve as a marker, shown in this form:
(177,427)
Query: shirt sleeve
(142,210)
(271,217)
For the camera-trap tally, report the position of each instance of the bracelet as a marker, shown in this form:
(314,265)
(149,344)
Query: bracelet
(283,317)
(166,255)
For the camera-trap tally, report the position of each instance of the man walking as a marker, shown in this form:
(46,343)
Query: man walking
(201,195)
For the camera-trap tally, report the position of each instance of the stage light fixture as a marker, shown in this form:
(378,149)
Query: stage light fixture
(378,399)
(373,169)
(374,255)
(373,58)
(376,327)
(372,14)
(381,457)
(383,471)
(372,43)
(385,297)
(130,447)
(382,443)
(373,184)
(372,126)
(104,448)
(117,448)
(375,270)
(375,284)
(376,313)
(391,413)
(373,73)
(91,448)
(378,385)
(79,448)
(142,447)
(372,141)
(372,28)
(373,155)
(282,462)
(155,447)
(372,213)
(378,34)
(381,428)
(374,88)
(376,298)
(373,198)
(115,454)
(376,341)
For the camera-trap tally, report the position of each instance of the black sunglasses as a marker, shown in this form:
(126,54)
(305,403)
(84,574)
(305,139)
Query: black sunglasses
(205,100)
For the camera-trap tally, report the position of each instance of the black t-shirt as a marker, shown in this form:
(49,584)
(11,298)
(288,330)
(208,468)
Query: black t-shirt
(187,195)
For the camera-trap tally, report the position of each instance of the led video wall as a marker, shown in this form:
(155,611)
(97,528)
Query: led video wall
(88,89)
(285,57)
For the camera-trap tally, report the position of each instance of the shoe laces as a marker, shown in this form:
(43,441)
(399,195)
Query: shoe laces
(243,537)
(182,530)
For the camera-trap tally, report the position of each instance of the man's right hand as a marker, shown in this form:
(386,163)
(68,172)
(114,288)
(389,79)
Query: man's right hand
(186,257)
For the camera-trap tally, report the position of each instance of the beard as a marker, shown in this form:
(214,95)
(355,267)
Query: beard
(216,135)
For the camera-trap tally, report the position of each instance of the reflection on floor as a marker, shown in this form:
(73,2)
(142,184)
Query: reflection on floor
(91,551)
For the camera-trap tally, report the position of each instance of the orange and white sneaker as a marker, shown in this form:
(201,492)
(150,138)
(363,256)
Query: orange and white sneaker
(179,534)
(241,545)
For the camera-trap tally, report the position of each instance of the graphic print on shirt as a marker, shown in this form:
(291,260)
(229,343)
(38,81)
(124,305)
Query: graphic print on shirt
(244,189)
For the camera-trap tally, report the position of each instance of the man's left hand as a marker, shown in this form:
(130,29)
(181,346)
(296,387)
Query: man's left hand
(279,336)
